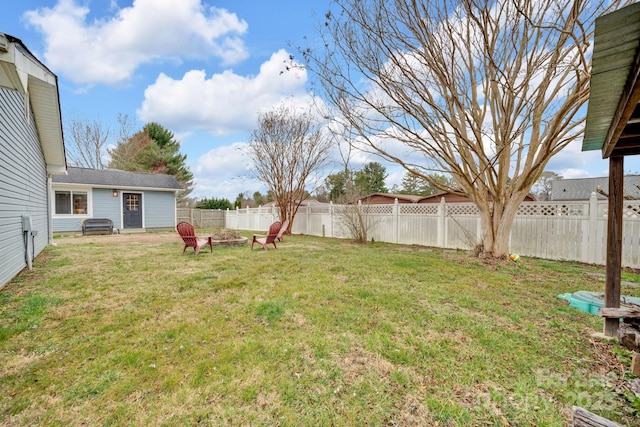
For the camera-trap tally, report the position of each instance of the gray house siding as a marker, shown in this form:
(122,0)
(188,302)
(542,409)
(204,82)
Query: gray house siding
(159,209)
(66,224)
(23,184)
(107,206)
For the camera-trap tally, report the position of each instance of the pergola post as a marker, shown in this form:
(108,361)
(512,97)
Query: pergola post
(614,242)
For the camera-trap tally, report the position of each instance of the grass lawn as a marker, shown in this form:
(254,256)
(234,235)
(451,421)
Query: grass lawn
(318,332)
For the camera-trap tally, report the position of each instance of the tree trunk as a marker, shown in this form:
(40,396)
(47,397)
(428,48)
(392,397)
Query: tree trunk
(496,221)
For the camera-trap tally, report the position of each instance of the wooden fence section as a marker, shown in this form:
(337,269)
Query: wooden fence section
(202,218)
(572,231)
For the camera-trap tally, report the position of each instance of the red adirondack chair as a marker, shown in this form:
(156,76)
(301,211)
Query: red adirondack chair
(283,230)
(270,238)
(188,234)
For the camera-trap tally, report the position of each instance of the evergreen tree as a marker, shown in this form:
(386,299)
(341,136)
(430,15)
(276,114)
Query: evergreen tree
(371,179)
(337,184)
(154,149)
(414,184)
(238,202)
(214,203)
(258,198)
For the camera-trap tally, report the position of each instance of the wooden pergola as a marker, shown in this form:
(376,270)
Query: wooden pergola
(613,125)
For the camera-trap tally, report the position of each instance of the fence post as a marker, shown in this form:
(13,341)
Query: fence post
(479,232)
(593,229)
(441,222)
(395,210)
(331,219)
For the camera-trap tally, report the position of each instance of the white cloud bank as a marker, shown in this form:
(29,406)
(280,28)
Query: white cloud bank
(225,172)
(109,50)
(224,103)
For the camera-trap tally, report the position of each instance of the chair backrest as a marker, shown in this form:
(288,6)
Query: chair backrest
(188,233)
(273,231)
(283,229)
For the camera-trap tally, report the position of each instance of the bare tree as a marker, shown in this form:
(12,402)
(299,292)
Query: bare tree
(544,186)
(356,216)
(483,91)
(287,148)
(126,128)
(86,141)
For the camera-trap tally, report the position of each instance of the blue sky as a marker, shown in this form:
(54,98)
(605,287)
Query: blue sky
(201,68)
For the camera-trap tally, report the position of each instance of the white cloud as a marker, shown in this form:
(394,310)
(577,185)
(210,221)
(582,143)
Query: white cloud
(225,171)
(228,188)
(109,50)
(571,173)
(225,161)
(572,162)
(225,102)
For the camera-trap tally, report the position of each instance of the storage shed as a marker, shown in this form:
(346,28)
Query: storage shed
(133,201)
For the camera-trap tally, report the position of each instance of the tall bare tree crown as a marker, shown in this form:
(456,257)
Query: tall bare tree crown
(287,148)
(484,91)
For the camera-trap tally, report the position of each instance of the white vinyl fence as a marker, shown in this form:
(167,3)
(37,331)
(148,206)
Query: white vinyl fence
(573,231)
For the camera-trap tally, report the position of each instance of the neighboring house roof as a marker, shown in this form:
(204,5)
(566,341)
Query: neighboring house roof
(448,197)
(113,178)
(312,202)
(581,189)
(306,202)
(20,70)
(384,198)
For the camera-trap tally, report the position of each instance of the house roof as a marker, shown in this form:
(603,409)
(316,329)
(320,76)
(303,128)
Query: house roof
(613,114)
(408,198)
(113,178)
(581,189)
(306,202)
(412,198)
(20,70)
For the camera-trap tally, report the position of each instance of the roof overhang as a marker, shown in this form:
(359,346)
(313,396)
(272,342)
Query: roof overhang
(613,114)
(114,187)
(21,71)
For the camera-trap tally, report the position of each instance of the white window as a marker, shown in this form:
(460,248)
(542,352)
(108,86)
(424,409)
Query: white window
(71,202)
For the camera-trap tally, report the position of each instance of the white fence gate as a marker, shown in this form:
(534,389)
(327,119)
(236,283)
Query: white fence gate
(572,231)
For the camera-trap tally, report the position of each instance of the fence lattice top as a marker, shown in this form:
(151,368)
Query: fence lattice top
(423,209)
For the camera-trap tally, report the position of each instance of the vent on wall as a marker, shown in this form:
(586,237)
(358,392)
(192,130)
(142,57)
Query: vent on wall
(4,43)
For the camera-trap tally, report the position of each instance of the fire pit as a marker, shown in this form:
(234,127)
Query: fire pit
(227,239)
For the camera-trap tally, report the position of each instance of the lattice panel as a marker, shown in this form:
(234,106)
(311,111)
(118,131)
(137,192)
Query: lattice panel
(423,209)
(377,209)
(531,209)
(462,209)
(628,211)
(631,211)
(548,209)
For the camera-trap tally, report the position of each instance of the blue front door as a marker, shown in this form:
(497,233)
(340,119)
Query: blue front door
(132,210)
